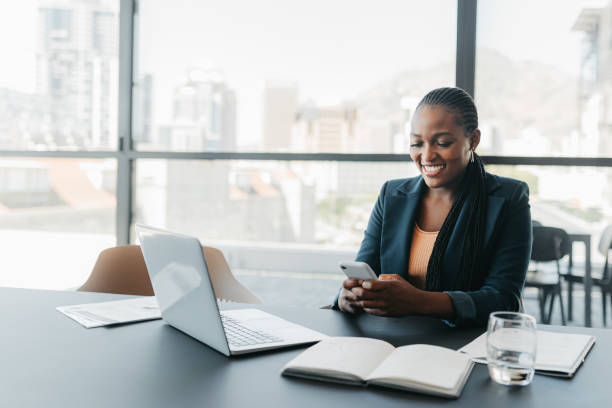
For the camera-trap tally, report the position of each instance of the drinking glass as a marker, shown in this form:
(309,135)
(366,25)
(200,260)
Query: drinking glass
(511,347)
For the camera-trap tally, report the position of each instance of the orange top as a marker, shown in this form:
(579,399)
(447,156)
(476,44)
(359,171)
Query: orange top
(420,251)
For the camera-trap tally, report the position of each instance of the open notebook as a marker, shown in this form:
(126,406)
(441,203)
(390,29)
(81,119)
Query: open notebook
(557,354)
(361,361)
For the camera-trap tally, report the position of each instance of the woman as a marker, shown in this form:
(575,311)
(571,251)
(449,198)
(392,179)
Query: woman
(459,238)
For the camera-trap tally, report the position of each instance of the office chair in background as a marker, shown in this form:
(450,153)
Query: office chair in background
(549,245)
(122,270)
(603,281)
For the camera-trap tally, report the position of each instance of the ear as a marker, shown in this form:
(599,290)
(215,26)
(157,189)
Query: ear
(475,139)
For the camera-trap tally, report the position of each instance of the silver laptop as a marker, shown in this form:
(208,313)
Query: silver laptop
(187,300)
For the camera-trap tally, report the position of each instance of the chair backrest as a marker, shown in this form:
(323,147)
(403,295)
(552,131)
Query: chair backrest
(549,244)
(122,270)
(226,285)
(605,242)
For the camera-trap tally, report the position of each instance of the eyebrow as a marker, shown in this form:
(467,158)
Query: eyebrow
(435,135)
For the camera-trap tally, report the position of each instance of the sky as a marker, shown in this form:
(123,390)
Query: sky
(18,46)
(533,30)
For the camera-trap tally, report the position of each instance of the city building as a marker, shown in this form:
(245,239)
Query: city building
(204,114)
(77,68)
(324,129)
(280,107)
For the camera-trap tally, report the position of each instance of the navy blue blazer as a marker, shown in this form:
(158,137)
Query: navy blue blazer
(387,239)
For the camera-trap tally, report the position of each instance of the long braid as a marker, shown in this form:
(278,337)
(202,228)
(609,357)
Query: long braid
(473,186)
(471,262)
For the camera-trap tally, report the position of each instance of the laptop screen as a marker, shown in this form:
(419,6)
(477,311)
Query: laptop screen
(182,285)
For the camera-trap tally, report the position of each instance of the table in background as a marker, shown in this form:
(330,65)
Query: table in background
(49,360)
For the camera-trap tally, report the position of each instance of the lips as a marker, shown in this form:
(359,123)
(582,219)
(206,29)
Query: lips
(432,170)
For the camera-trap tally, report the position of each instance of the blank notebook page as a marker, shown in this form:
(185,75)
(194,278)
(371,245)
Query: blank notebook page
(354,355)
(431,366)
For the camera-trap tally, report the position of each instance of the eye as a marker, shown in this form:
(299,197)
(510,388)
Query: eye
(447,144)
(416,144)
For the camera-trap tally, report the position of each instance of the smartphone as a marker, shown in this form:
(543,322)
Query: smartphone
(358,270)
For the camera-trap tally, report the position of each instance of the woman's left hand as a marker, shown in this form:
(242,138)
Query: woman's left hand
(389,297)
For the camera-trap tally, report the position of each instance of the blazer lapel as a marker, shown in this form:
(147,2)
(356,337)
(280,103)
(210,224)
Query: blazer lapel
(397,229)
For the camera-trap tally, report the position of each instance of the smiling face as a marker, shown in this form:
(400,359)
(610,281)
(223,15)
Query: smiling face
(439,146)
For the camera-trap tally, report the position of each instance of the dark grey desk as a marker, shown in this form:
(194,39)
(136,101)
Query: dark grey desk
(47,360)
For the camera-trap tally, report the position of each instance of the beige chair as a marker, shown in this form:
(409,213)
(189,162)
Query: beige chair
(122,270)
(226,285)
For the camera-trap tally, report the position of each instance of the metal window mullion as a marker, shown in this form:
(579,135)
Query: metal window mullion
(465,64)
(80,154)
(124,131)
(367,157)
(128,156)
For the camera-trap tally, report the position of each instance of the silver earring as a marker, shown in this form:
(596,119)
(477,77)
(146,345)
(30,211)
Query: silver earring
(471,156)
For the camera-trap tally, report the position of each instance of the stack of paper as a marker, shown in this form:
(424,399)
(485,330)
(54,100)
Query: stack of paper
(114,312)
(558,354)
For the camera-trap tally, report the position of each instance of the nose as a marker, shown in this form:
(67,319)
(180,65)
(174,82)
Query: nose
(428,153)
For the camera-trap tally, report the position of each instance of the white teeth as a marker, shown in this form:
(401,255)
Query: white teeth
(430,169)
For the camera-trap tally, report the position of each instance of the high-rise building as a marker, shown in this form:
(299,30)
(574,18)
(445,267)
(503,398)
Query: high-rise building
(77,67)
(280,110)
(204,116)
(595,91)
(320,130)
(595,86)
(230,202)
(24,120)
(142,110)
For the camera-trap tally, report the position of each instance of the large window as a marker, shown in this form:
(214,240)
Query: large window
(56,216)
(58,104)
(544,77)
(577,199)
(283,76)
(59,75)
(281,203)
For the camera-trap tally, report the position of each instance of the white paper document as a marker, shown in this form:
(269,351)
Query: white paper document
(118,311)
(557,353)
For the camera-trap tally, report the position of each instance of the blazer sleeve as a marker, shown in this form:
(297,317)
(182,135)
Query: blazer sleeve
(507,269)
(369,251)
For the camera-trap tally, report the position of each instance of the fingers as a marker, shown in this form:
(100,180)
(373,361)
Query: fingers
(351,283)
(348,295)
(352,307)
(378,285)
(348,302)
(373,304)
(362,294)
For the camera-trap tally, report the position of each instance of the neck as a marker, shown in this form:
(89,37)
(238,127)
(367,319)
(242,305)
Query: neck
(449,191)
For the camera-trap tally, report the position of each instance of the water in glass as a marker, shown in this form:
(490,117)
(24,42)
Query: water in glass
(511,348)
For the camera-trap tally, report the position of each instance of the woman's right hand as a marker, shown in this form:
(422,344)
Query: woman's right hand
(347,301)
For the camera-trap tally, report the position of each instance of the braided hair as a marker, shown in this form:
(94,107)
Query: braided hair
(473,186)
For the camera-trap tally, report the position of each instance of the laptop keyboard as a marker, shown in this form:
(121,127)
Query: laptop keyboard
(240,336)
